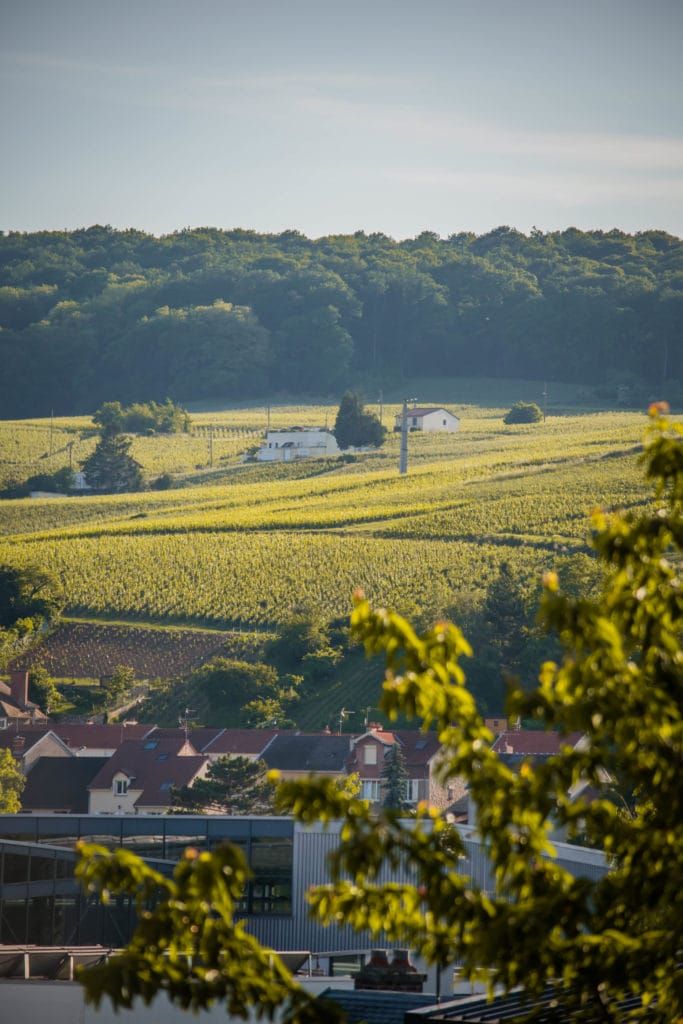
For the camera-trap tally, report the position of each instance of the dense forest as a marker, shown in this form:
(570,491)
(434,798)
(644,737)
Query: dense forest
(97,314)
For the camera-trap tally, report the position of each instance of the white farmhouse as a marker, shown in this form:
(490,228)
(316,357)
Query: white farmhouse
(429,418)
(298,443)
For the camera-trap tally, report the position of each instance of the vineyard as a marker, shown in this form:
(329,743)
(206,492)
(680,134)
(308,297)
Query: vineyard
(247,553)
(83,650)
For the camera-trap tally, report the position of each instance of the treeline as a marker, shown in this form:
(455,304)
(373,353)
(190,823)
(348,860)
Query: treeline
(97,314)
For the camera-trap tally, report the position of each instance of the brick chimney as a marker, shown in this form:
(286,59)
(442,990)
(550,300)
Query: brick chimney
(398,976)
(18,745)
(18,684)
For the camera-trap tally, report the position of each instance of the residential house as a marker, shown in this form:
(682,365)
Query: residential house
(29,743)
(59,785)
(297,443)
(249,743)
(138,778)
(515,745)
(428,419)
(15,707)
(299,754)
(420,752)
(89,739)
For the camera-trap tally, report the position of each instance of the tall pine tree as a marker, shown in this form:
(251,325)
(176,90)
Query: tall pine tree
(111,467)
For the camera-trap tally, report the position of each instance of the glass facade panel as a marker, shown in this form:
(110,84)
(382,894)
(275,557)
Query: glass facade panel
(271,887)
(58,830)
(42,868)
(14,868)
(39,927)
(13,921)
(66,914)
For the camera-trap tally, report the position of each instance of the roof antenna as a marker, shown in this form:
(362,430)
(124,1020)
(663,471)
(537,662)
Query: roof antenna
(184,721)
(342,715)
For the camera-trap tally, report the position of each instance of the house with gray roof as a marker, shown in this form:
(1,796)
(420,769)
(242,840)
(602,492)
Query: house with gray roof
(139,777)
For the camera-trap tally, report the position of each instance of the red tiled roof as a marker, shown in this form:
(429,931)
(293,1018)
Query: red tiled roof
(242,741)
(533,742)
(79,736)
(417,747)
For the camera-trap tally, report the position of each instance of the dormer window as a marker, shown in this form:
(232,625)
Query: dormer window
(120,787)
(370,754)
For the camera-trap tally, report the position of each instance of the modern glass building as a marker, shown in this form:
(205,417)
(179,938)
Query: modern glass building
(42,904)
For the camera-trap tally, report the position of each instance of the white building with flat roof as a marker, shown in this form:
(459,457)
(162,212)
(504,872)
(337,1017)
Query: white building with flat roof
(298,443)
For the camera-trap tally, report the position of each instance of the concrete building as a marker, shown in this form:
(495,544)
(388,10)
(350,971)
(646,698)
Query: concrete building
(298,443)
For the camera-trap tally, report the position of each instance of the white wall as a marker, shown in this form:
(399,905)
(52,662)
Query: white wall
(62,1002)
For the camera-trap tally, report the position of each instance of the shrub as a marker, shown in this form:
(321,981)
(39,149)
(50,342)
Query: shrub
(524,412)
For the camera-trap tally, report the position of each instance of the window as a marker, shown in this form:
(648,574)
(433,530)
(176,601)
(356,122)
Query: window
(412,791)
(120,787)
(163,757)
(370,754)
(166,785)
(370,790)
(151,745)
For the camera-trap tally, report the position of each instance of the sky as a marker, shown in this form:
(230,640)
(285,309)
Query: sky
(335,116)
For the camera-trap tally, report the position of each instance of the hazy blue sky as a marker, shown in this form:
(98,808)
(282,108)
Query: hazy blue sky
(383,115)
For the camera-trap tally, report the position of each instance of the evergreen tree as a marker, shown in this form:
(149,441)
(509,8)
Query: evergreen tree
(233,785)
(111,467)
(394,778)
(355,428)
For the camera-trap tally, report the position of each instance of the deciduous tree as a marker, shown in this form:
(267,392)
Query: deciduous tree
(12,782)
(28,592)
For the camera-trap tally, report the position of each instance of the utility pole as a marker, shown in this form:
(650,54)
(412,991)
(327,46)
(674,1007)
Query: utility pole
(267,419)
(52,426)
(403,462)
(381,405)
(544,395)
(211,446)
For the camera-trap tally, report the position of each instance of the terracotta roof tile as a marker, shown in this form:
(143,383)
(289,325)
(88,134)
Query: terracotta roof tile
(533,742)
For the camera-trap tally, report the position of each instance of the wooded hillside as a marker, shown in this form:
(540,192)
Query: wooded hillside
(99,315)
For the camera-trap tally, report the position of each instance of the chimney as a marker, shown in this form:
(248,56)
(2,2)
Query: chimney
(398,976)
(18,684)
(18,744)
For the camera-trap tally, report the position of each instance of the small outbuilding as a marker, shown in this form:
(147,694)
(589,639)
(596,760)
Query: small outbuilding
(429,418)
